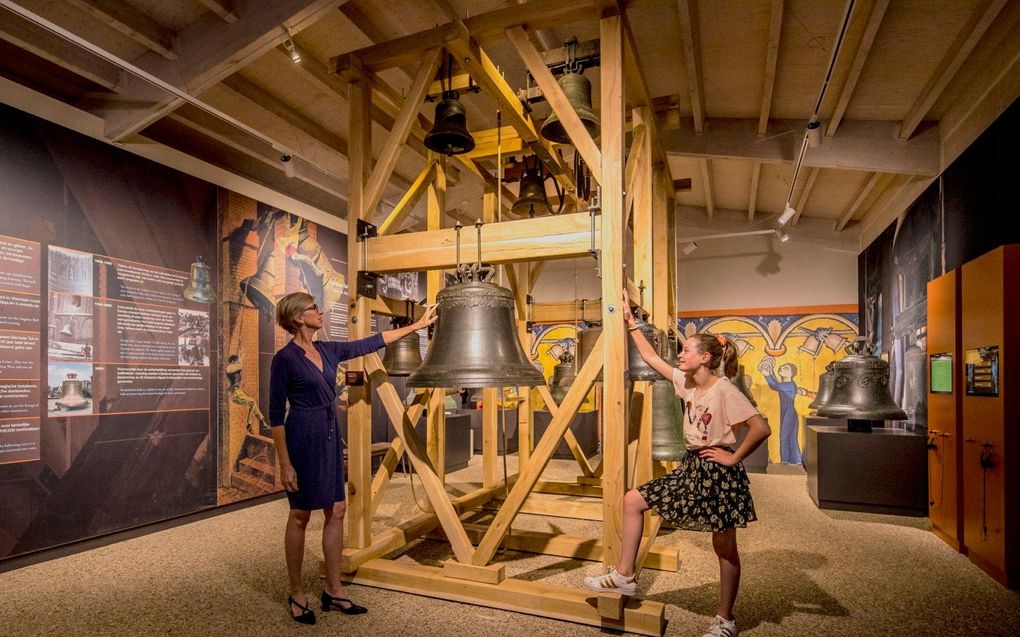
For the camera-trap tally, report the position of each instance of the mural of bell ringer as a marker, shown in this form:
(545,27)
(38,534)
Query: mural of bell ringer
(781,358)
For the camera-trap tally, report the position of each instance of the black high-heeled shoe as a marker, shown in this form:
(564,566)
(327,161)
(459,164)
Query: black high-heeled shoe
(333,603)
(307,615)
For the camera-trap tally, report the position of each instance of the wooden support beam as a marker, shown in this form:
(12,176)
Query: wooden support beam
(690,36)
(556,507)
(26,35)
(662,265)
(435,418)
(652,525)
(752,197)
(569,488)
(410,199)
(393,454)
(860,57)
(488,574)
(487,75)
(707,184)
(124,18)
(536,271)
(641,188)
(552,237)
(805,193)
(855,205)
(568,435)
(558,101)
(970,34)
(222,8)
(641,617)
(771,61)
(585,311)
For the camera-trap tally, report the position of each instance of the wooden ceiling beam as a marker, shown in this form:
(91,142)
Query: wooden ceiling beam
(52,48)
(208,52)
(861,145)
(968,37)
(122,17)
(805,193)
(752,198)
(708,184)
(690,38)
(771,61)
(859,58)
(222,8)
(855,205)
(409,200)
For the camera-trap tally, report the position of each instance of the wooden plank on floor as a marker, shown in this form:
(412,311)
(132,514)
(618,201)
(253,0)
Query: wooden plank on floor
(642,617)
(554,507)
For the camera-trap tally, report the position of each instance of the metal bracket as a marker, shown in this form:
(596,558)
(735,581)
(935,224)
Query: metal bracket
(368,284)
(366,230)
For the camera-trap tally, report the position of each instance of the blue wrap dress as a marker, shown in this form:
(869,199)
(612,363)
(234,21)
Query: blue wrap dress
(303,399)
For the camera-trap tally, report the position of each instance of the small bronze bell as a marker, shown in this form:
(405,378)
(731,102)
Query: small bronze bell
(404,356)
(585,342)
(71,394)
(637,368)
(200,287)
(449,134)
(667,422)
(860,389)
(578,91)
(475,341)
(532,198)
(562,377)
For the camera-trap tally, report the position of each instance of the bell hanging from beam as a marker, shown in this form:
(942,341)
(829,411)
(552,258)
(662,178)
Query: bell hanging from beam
(562,377)
(200,287)
(860,389)
(586,342)
(667,425)
(532,198)
(637,368)
(403,356)
(578,91)
(449,134)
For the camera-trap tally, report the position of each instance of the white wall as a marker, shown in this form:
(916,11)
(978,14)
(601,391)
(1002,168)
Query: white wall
(725,274)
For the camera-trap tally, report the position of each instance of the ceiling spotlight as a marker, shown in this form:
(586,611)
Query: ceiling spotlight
(787,214)
(689,247)
(783,236)
(288,42)
(814,133)
(288,166)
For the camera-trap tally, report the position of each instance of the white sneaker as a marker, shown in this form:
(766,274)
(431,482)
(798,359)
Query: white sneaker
(612,582)
(721,628)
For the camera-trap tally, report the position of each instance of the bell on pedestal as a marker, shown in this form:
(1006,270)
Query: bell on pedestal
(532,198)
(449,134)
(404,356)
(667,425)
(562,377)
(637,368)
(824,388)
(259,289)
(860,389)
(71,395)
(585,342)
(200,287)
(475,341)
(578,91)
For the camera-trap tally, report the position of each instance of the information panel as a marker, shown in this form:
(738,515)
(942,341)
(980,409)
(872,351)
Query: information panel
(20,378)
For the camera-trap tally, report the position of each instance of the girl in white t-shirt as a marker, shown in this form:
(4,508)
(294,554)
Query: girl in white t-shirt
(709,490)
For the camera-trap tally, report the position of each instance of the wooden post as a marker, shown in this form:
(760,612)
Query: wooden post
(644,275)
(525,417)
(435,425)
(614,405)
(359,411)
(491,411)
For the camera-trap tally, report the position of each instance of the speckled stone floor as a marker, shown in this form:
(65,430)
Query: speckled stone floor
(805,572)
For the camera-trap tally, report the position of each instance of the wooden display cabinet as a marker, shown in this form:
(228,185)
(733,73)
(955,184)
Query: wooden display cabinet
(989,315)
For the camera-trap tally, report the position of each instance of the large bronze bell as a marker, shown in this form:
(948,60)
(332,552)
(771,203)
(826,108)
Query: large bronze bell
(562,377)
(532,198)
(585,342)
(259,288)
(475,341)
(449,134)
(71,394)
(403,356)
(667,422)
(200,287)
(860,389)
(637,368)
(824,394)
(578,91)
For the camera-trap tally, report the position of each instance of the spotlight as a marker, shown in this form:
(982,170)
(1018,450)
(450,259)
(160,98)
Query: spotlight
(288,42)
(288,166)
(783,236)
(787,214)
(689,247)
(814,133)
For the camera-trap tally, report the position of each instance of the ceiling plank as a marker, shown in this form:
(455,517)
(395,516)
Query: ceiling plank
(968,37)
(859,58)
(752,198)
(223,8)
(208,52)
(131,22)
(690,36)
(856,203)
(771,61)
(706,182)
(24,34)
(447,9)
(804,194)
(861,145)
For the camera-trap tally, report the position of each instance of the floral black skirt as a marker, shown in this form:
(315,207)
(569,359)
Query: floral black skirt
(701,495)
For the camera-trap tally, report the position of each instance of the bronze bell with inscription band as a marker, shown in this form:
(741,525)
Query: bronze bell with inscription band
(403,356)
(562,377)
(637,368)
(71,394)
(860,389)
(200,287)
(667,422)
(475,341)
(577,88)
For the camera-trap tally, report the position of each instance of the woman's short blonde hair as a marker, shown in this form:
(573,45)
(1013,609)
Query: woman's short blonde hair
(290,307)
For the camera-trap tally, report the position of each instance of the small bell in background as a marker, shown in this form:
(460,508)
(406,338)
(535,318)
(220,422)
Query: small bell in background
(200,287)
(449,134)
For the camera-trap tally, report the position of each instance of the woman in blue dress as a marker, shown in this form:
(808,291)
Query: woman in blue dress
(302,411)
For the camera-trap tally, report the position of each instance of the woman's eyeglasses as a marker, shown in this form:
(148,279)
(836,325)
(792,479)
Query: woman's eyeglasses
(313,306)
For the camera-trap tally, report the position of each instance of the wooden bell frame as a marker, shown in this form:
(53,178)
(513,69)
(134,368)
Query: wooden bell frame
(522,246)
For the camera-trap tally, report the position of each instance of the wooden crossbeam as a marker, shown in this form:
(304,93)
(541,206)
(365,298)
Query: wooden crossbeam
(24,34)
(752,197)
(555,507)
(567,311)
(860,57)
(805,193)
(568,435)
(855,205)
(222,8)
(393,454)
(771,62)
(690,37)
(122,17)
